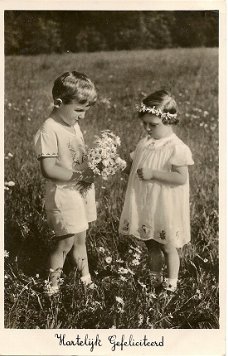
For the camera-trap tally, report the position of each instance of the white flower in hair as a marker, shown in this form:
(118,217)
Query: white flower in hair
(165,116)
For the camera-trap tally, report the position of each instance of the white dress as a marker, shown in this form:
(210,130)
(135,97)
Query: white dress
(67,211)
(153,209)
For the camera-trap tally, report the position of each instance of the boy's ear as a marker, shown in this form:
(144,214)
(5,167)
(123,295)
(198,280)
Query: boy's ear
(58,102)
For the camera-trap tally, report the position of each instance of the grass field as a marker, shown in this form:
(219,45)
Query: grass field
(121,299)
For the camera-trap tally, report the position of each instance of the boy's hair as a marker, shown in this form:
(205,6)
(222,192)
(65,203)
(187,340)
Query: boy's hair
(161,99)
(74,86)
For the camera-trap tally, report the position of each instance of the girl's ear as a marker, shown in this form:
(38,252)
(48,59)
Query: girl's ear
(58,102)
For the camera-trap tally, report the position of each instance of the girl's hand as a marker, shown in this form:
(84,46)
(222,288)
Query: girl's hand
(145,173)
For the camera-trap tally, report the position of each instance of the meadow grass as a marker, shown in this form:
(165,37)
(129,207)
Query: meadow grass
(121,298)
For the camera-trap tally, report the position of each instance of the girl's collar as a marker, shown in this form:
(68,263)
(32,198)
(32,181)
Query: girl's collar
(161,140)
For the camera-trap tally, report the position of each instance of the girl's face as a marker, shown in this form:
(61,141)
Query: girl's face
(155,127)
(72,112)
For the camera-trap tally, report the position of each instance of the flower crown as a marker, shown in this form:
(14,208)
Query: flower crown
(166,117)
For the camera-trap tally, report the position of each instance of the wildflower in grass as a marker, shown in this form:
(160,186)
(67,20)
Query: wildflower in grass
(10,154)
(213,127)
(137,256)
(101,249)
(108,259)
(106,101)
(170,315)
(6,254)
(120,300)
(6,188)
(205,260)
(122,270)
(119,260)
(205,113)
(135,262)
(123,279)
(198,294)
(196,109)
(140,316)
(10,184)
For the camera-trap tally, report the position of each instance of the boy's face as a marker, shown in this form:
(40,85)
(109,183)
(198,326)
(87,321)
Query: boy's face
(72,112)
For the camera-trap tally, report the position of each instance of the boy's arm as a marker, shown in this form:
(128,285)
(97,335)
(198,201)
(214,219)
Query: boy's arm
(51,170)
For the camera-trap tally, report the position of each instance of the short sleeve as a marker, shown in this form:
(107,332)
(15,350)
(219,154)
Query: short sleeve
(132,155)
(45,143)
(181,156)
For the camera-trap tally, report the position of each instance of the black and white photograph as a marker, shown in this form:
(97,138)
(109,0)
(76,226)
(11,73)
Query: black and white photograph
(112,225)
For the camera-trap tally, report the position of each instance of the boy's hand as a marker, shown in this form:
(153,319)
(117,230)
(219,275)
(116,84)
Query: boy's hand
(82,166)
(88,175)
(145,173)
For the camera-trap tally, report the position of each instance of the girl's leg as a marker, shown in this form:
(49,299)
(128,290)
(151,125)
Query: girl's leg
(79,253)
(57,258)
(173,263)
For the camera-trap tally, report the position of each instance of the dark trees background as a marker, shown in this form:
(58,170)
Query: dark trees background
(34,32)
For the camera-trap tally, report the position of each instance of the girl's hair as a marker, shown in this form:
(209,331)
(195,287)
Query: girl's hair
(161,100)
(74,86)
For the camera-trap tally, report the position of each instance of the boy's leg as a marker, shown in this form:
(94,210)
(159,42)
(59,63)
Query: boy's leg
(79,253)
(57,258)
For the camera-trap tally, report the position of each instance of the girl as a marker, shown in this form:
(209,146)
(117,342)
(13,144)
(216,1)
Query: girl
(156,207)
(60,148)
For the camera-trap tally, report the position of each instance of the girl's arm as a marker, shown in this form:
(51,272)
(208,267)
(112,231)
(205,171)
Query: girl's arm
(177,176)
(51,170)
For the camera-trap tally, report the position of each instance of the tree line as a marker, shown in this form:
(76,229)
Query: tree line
(35,32)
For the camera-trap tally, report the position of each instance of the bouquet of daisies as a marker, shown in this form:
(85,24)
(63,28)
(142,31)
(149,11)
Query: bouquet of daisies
(103,159)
